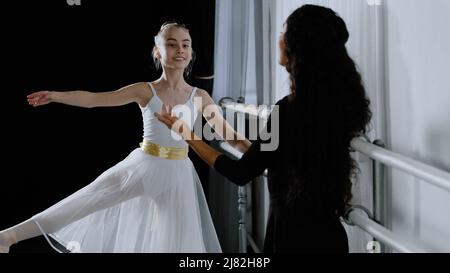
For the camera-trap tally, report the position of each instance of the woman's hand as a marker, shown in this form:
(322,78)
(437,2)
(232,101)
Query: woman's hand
(40,98)
(175,124)
(206,152)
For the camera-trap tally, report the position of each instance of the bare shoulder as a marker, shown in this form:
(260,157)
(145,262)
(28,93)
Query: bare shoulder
(141,91)
(201,93)
(138,87)
(202,99)
(204,95)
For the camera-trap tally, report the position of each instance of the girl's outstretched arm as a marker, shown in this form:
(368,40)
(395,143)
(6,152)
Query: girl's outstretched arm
(131,93)
(213,115)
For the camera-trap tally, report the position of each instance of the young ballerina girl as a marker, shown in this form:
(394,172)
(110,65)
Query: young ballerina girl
(152,201)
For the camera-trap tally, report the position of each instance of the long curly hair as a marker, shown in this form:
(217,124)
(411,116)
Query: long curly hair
(328,108)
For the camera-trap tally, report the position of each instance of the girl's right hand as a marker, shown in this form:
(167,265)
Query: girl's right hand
(39,98)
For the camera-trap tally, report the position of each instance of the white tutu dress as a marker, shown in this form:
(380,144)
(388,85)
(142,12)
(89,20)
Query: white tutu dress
(145,203)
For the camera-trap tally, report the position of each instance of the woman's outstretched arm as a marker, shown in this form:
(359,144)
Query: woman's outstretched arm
(253,162)
(206,152)
(131,93)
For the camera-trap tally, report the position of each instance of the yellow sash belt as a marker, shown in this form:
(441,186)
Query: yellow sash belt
(164,152)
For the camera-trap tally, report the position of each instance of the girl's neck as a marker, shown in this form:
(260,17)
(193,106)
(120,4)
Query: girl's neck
(173,79)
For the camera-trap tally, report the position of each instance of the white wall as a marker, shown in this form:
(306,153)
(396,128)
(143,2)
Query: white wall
(418,97)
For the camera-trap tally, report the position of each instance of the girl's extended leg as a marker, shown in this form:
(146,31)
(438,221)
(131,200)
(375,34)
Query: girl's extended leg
(112,187)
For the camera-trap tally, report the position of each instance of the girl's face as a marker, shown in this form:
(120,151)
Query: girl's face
(282,60)
(174,49)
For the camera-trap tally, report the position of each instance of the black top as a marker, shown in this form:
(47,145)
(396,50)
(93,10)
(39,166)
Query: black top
(290,228)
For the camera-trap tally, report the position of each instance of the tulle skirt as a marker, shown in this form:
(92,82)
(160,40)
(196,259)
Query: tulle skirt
(142,204)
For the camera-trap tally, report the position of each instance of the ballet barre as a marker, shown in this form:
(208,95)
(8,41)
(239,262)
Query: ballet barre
(418,169)
(361,217)
(381,158)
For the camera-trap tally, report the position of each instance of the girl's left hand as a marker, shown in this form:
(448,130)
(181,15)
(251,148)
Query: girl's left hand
(174,123)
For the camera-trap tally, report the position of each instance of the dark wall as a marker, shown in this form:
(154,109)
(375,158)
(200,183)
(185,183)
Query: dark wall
(49,152)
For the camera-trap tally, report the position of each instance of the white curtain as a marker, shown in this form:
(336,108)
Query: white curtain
(265,51)
(244,67)
(231,48)
(244,51)
(231,58)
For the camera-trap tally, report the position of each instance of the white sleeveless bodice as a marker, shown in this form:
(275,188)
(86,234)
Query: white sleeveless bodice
(157,132)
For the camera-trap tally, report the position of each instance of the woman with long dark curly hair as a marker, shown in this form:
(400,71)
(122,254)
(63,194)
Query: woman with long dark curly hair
(311,170)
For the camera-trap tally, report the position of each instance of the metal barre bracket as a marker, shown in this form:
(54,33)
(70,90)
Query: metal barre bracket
(223,100)
(346,216)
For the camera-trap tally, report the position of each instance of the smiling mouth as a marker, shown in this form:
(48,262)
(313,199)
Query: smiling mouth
(179,59)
